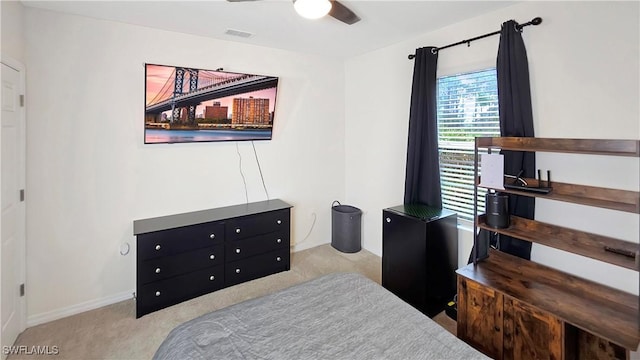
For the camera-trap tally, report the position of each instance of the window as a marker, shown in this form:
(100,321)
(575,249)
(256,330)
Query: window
(467,107)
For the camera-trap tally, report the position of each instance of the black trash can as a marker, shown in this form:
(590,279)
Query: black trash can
(346,229)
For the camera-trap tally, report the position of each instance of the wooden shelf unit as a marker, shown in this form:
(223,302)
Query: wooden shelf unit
(595,320)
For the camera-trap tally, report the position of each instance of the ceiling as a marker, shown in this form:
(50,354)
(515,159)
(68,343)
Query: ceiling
(275,24)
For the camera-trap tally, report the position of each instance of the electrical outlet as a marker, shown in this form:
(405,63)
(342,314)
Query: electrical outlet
(124,248)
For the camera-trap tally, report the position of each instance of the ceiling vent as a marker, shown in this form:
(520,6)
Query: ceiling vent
(239,33)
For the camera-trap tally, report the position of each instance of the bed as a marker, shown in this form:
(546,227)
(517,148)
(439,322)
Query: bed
(336,316)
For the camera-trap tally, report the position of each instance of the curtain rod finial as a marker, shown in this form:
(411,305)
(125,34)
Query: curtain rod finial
(411,57)
(536,21)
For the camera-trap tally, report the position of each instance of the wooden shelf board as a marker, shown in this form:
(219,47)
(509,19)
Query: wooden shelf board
(614,199)
(574,241)
(600,310)
(576,146)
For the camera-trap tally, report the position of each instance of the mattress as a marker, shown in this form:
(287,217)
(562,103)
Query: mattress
(337,316)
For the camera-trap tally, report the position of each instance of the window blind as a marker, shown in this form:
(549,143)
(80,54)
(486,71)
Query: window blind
(467,107)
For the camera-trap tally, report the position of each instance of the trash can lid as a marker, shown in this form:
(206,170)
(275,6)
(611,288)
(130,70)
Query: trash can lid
(346,209)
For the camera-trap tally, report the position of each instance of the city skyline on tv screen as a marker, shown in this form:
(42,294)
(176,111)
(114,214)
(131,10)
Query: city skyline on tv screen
(185,104)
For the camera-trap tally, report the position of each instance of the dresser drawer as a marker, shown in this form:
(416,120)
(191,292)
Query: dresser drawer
(240,249)
(178,240)
(168,266)
(256,266)
(163,293)
(247,226)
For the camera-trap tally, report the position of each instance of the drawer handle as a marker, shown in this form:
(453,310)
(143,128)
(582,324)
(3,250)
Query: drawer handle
(157,293)
(278,258)
(212,236)
(211,278)
(158,247)
(388,220)
(279,241)
(157,270)
(279,222)
(237,230)
(237,251)
(212,256)
(237,271)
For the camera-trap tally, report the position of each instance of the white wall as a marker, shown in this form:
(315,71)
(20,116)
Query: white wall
(90,175)
(12,38)
(584,68)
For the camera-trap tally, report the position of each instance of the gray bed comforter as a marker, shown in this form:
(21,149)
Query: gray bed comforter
(337,316)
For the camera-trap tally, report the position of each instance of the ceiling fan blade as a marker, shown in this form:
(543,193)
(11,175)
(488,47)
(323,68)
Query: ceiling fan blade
(338,11)
(343,13)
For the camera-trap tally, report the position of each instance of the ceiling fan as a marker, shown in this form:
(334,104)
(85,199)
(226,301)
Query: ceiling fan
(308,8)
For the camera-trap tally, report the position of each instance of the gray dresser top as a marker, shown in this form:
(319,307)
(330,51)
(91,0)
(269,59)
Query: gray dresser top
(143,226)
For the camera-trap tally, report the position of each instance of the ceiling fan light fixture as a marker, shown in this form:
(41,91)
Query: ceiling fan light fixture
(312,9)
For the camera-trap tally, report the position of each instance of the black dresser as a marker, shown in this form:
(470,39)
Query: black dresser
(420,255)
(183,256)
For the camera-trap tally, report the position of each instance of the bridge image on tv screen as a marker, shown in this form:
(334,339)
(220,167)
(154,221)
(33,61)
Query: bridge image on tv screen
(195,105)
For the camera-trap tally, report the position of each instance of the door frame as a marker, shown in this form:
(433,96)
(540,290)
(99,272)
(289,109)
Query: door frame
(22,160)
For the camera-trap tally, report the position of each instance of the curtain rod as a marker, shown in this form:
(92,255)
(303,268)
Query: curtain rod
(535,21)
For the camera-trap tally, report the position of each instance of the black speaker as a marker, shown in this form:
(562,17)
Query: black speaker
(497,206)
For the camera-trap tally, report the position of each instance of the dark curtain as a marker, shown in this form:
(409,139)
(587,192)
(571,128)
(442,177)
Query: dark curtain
(422,180)
(516,119)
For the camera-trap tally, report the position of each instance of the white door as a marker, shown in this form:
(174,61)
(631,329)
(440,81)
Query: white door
(12,208)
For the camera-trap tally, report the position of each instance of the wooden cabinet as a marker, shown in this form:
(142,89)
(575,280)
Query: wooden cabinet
(186,255)
(539,312)
(510,308)
(505,328)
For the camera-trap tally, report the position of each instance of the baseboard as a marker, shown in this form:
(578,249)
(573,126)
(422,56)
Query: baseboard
(78,308)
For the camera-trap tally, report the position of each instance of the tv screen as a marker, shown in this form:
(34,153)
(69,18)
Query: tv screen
(185,104)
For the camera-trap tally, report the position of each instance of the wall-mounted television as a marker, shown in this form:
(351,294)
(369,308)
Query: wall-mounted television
(185,104)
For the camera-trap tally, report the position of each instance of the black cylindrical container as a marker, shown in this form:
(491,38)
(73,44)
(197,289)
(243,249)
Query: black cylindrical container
(346,228)
(497,206)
